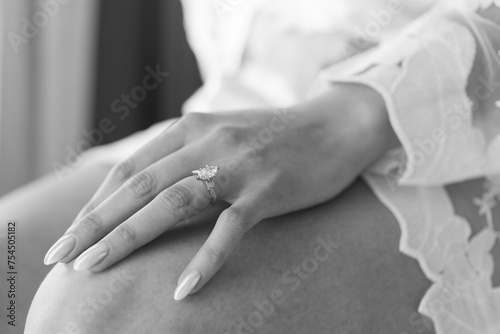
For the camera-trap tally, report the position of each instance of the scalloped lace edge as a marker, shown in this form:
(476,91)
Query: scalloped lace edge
(462,298)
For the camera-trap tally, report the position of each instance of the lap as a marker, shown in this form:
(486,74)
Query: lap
(335,267)
(42,210)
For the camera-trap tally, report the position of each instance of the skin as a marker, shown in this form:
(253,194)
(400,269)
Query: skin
(51,310)
(40,218)
(366,271)
(272,163)
(365,286)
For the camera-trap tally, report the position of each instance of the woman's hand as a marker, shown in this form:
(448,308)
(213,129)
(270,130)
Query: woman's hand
(271,163)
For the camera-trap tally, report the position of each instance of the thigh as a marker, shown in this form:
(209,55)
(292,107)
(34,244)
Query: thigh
(42,211)
(334,268)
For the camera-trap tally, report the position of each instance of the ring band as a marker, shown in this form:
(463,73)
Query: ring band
(207,175)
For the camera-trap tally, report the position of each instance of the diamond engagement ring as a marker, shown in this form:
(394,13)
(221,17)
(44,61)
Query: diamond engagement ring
(207,174)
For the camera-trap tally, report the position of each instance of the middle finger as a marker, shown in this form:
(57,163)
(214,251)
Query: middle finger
(129,198)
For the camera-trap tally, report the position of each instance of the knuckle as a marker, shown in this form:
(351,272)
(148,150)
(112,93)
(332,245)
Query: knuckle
(231,134)
(141,185)
(215,255)
(83,212)
(176,197)
(199,203)
(122,171)
(86,210)
(194,119)
(235,222)
(249,153)
(91,223)
(126,233)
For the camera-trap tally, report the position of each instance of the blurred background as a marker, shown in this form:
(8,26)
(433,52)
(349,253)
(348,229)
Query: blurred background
(66,65)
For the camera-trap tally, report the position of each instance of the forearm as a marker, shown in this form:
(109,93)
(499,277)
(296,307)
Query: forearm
(439,80)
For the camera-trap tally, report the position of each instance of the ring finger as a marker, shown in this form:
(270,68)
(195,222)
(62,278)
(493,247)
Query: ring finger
(177,203)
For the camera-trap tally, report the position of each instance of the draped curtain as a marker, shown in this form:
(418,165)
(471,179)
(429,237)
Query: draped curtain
(60,85)
(46,59)
(134,35)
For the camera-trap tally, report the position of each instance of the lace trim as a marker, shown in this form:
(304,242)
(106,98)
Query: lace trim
(423,77)
(488,201)
(462,298)
(424,87)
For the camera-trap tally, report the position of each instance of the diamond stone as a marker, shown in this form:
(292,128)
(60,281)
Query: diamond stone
(207,173)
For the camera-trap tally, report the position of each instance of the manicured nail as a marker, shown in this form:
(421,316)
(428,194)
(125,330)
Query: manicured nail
(60,249)
(91,257)
(187,285)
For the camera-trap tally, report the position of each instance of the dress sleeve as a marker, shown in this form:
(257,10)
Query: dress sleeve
(440,79)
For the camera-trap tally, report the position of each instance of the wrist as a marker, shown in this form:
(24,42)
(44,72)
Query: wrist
(369,116)
(355,113)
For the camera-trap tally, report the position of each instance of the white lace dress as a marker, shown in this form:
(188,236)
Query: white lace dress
(440,78)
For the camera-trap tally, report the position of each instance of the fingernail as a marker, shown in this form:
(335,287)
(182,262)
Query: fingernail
(60,249)
(187,285)
(91,257)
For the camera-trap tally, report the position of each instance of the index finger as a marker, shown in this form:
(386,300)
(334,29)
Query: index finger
(168,142)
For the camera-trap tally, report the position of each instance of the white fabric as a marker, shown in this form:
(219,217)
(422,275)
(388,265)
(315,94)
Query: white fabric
(446,117)
(240,45)
(439,81)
